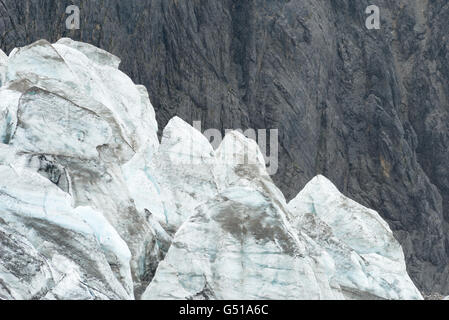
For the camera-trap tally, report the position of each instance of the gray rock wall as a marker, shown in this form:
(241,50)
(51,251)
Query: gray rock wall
(367,108)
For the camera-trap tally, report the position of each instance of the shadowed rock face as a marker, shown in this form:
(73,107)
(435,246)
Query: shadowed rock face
(368,109)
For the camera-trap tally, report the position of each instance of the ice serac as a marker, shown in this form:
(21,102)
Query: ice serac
(50,249)
(100,57)
(3,61)
(173,180)
(92,206)
(240,162)
(368,109)
(247,243)
(76,119)
(239,245)
(369,260)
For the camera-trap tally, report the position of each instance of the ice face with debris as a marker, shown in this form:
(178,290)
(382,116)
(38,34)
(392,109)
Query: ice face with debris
(92,206)
(75,119)
(171,182)
(3,62)
(50,249)
(239,245)
(369,260)
(247,243)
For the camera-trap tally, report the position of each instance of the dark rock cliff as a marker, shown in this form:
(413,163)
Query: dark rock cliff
(367,108)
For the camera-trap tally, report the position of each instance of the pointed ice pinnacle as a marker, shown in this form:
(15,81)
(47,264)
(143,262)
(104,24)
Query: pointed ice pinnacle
(369,260)
(94,207)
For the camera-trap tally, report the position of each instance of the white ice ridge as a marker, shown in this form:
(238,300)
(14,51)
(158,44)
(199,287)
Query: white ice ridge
(367,256)
(3,62)
(92,206)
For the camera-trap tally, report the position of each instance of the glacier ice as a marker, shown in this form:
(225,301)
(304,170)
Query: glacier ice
(367,256)
(256,246)
(246,251)
(171,182)
(45,224)
(69,122)
(93,206)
